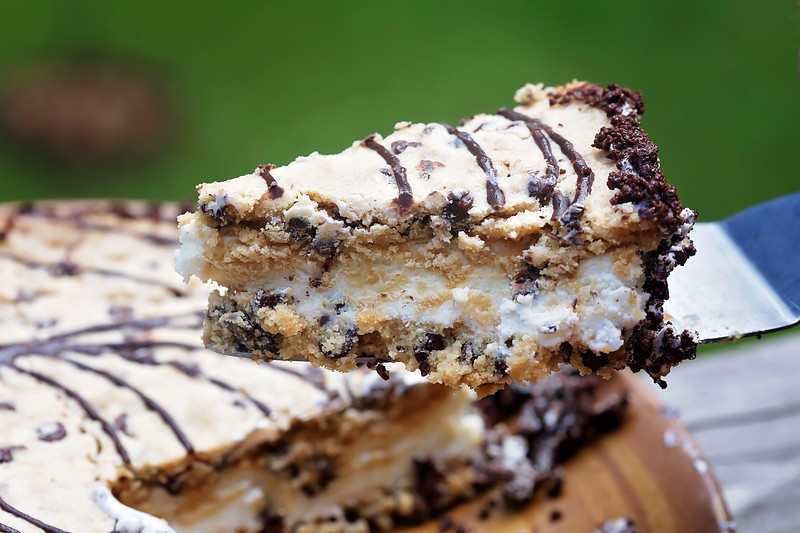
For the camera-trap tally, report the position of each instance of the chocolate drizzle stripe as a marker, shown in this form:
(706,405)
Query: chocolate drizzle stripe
(583,171)
(90,411)
(7,529)
(99,271)
(263,408)
(149,402)
(405,197)
(275,191)
(31,520)
(494,194)
(308,379)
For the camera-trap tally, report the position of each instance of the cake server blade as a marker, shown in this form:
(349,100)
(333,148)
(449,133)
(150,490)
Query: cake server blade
(745,278)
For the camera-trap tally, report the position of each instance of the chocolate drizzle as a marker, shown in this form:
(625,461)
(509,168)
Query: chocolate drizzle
(90,411)
(405,197)
(261,407)
(583,171)
(64,268)
(275,191)
(4,506)
(149,402)
(494,194)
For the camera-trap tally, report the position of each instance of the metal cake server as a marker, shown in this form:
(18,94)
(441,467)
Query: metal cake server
(745,278)
(743,281)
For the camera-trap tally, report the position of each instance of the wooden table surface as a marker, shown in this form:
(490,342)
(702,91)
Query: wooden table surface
(743,406)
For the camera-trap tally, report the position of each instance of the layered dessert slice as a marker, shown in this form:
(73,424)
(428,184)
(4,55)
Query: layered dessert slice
(114,417)
(478,254)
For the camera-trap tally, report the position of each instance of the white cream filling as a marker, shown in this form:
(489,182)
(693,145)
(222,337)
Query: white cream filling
(127,520)
(592,309)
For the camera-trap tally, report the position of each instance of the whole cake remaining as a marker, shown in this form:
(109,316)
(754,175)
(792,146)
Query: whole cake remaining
(479,254)
(114,417)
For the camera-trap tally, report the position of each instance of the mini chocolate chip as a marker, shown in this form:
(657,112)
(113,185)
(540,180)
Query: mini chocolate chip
(540,187)
(555,515)
(434,342)
(324,319)
(326,248)
(51,432)
(500,367)
(456,211)
(382,372)
(7,406)
(594,361)
(121,423)
(314,282)
(268,299)
(301,230)
(468,354)
(64,268)
(398,147)
(347,346)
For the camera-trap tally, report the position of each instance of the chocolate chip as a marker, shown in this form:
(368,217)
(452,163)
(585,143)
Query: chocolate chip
(121,423)
(301,230)
(398,147)
(426,168)
(540,187)
(594,361)
(350,338)
(382,372)
(525,282)
(314,282)
(51,432)
(434,342)
(268,299)
(324,319)
(7,406)
(326,248)
(456,211)
(64,268)
(468,354)
(500,367)
(422,358)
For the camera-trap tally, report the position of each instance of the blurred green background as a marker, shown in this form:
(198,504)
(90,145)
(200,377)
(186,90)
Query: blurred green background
(257,82)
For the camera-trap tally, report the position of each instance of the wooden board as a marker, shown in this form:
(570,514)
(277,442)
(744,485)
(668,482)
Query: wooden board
(743,407)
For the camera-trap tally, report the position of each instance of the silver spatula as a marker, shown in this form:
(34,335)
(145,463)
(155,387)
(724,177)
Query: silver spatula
(745,278)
